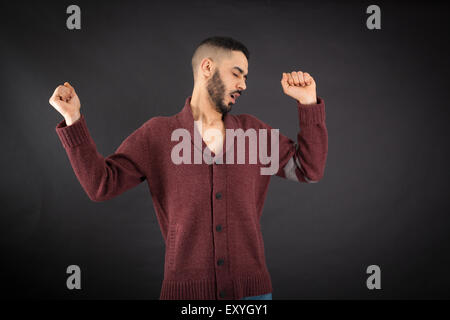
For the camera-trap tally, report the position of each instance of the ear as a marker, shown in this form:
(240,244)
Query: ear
(207,67)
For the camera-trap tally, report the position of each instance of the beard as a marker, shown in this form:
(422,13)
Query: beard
(216,91)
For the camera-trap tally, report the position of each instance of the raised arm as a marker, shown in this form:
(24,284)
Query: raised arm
(102,178)
(304,160)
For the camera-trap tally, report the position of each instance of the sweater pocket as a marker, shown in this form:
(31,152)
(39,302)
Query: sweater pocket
(172,245)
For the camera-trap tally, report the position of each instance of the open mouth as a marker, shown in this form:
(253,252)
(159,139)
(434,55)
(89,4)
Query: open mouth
(234,96)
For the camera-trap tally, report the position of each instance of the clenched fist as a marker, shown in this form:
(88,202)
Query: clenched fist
(300,86)
(66,102)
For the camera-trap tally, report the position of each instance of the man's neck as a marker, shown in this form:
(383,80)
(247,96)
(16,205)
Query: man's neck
(203,109)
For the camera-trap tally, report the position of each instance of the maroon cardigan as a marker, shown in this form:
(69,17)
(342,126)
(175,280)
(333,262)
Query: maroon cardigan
(209,214)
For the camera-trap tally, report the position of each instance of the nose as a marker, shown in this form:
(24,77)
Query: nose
(242,86)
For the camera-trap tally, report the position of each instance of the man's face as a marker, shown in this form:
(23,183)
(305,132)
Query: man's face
(226,84)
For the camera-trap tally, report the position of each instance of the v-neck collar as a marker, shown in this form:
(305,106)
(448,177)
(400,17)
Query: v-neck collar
(186,121)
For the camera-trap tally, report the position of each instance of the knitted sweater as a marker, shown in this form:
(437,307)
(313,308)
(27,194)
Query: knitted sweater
(209,213)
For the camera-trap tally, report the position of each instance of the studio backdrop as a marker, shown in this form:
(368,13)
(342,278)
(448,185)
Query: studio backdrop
(381,209)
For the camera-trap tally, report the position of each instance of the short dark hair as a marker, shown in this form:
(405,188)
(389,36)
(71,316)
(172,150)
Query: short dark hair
(226,43)
(216,42)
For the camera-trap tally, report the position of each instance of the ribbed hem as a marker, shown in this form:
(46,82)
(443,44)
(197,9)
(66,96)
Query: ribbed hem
(244,286)
(312,114)
(188,290)
(252,285)
(75,134)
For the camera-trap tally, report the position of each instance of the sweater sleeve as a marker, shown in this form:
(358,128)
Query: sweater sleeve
(103,178)
(304,160)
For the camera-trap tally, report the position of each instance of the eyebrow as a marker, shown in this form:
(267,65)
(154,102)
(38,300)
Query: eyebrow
(241,71)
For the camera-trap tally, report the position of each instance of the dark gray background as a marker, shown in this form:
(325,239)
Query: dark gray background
(383,199)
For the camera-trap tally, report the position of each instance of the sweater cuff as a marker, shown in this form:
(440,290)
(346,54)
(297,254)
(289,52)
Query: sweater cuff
(75,134)
(311,113)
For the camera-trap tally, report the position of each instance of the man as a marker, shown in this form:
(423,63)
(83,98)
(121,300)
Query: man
(209,213)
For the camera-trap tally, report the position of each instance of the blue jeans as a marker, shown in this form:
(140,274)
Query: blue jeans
(267,296)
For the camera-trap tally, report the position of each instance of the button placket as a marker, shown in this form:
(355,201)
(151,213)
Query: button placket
(219,214)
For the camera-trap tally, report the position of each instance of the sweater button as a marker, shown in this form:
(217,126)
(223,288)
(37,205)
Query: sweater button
(218,195)
(219,227)
(220,262)
(222,294)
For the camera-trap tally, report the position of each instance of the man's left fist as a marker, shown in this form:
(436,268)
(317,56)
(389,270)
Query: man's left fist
(300,86)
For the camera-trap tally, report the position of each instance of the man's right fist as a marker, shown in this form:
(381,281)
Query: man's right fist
(66,102)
